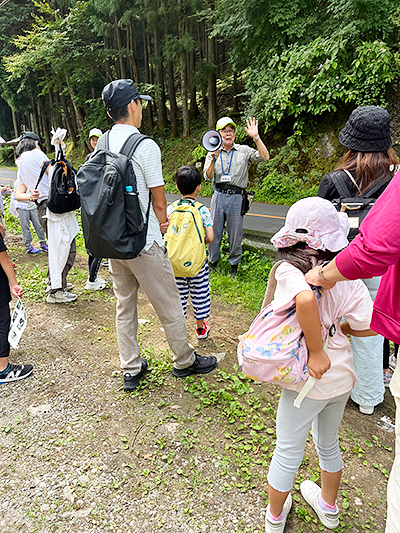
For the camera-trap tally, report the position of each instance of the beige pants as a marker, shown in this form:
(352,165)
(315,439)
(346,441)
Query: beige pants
(393,489)
(152,271)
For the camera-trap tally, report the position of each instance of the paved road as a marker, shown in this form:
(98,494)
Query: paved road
(263,219)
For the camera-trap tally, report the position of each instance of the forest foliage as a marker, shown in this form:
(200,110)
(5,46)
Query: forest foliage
(286,63)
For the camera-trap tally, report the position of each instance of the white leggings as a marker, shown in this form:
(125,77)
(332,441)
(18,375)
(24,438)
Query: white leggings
(292,429)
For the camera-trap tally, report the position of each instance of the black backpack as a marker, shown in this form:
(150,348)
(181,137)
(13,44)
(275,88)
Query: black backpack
(112,221)
(63,195)
(356,207)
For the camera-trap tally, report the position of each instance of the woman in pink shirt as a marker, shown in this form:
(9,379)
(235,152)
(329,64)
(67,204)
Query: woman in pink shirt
(376,252)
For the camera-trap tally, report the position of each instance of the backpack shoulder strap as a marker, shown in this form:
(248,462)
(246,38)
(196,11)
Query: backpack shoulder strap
(342,186)
(271,286)
(103,142)
(375,187)
(132,143)
(43,170)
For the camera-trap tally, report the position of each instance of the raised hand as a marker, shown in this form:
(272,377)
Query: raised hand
(252,127)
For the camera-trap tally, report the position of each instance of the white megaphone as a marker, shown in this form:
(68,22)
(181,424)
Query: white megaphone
(212,140)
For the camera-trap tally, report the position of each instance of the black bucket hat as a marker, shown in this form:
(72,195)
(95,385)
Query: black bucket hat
(367,130)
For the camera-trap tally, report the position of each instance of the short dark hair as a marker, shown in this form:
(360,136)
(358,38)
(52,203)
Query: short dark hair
(119,113)
(25,145)
(187,179)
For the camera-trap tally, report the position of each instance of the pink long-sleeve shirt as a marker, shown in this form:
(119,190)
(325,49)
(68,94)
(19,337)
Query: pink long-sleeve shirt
(376,252)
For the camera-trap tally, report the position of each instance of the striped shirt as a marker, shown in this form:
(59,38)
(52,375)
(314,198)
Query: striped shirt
(148,169)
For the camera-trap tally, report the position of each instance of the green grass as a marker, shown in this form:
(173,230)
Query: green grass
(248,288)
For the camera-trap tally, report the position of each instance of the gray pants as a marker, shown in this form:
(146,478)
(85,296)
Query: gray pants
(41,210)
(26,215)
(152,270)
(226,208)
(292,429)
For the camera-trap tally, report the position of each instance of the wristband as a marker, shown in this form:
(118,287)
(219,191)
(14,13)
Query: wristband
(256,139)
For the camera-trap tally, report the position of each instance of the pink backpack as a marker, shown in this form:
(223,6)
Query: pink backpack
(274,349)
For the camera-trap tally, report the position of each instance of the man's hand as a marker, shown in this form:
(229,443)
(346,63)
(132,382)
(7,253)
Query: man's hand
(318,363)
(164,226)
(16,290)
(252,127)
(215,155)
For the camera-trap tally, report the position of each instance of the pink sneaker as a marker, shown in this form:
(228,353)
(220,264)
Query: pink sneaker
(203,333)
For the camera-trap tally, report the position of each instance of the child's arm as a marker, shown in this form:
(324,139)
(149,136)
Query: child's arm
(5,262)
(346,329)
(310,322)
(209,234)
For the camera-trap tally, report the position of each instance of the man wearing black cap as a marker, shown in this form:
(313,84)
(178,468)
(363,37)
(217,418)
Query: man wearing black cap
(152,269)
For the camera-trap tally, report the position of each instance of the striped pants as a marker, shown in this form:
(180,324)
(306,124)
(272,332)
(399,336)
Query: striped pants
(199,290)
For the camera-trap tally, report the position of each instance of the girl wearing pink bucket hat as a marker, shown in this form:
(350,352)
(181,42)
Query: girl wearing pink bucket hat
(314,232)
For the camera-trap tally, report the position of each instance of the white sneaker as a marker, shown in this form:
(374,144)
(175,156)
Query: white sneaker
(97,285)
(278,527)
(366,409)
(310,492)
(61,297)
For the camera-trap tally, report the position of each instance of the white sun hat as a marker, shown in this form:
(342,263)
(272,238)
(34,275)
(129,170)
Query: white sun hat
(325,228)
(95,132)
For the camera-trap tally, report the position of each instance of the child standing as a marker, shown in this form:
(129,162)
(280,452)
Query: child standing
(8,286)
(314,232)
(188,183)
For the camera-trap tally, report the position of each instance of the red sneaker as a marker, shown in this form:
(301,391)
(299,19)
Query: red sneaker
(202,333)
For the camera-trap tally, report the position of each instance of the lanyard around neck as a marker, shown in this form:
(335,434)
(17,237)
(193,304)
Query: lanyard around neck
(230,163)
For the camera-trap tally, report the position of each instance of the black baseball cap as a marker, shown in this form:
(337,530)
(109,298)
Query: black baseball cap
(119,93)
(29,135)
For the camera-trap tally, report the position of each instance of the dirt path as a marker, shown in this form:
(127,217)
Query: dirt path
(79,455)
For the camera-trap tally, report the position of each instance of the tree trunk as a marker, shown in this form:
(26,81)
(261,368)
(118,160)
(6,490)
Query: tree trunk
(132,55)
(15,126)
(45,125)
(194,110)
(161,100)
(212,84)
(235,93)
(67,116)
(150,121)
(172,100)
(36,127)
(182,66)
(119,47)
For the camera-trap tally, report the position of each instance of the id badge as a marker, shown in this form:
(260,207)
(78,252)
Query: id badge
(225,178)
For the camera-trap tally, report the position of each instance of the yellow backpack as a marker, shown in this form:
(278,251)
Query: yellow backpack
(184,239)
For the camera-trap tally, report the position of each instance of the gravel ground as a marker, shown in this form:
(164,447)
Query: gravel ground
(77,454)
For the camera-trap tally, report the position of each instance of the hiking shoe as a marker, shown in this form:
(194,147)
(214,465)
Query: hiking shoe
(387,378)
(213,266)
(233,272)
(68,287)
(366,409)
(202,333)
(311,492)
(392,362)
(15,373)
(44,247)
(61,297)
(132,382)
(201,365)
(97,285)
(32,250)
(272,526)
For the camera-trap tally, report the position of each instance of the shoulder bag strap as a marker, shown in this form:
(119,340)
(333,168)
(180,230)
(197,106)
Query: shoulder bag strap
(271,286)
(43,170)
(342,186)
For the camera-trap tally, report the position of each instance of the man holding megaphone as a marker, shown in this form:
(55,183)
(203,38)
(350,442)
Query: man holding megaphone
(228,165)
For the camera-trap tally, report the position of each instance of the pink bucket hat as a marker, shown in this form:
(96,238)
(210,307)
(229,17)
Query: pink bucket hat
(326,228)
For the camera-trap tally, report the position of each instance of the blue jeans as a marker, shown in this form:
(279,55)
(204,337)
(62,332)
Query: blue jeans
(226,208)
